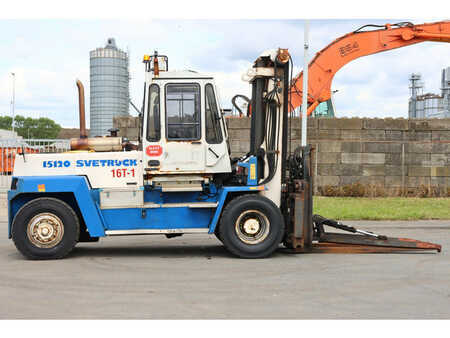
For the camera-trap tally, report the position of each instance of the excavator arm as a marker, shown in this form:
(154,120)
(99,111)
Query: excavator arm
(351,46)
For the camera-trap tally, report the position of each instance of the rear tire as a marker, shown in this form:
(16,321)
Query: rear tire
(251,226)
(45,228)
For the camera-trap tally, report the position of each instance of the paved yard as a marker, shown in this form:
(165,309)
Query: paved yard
(194,277)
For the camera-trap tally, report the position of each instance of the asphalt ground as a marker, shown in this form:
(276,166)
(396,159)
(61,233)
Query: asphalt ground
(194,277)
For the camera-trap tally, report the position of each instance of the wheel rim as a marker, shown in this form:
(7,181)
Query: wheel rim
(252,227)
(45,230)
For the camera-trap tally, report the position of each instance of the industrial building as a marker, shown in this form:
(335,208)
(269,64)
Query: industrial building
(424,106)
(109,87)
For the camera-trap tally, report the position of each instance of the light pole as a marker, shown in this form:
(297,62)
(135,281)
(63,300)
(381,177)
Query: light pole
(305,84)
(13,99)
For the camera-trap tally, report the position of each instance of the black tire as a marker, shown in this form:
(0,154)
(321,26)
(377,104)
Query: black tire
(36,219)
(217,234)
(240,214)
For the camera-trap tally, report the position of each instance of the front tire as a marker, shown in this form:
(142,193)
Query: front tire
(45,228)
(251,226)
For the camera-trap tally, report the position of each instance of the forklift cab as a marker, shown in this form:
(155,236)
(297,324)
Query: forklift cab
(183,130)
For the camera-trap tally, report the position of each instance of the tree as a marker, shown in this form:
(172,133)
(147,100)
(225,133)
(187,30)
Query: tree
(28,127)
(5,122)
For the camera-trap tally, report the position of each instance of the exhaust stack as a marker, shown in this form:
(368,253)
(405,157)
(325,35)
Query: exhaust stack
(93,143)
(83,133)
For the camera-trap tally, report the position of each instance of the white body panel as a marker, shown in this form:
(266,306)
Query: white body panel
(103,169)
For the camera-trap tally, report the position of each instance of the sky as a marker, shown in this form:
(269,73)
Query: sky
(48,55)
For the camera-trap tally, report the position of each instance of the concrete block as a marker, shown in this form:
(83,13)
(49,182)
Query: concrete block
(296,123)
(373,135)
(440,135)
(238,122)
(351,134)
(346,180)
(120,122)
(373,170)
(379,147)
(414,147)
(394,159)
(132,133)
(414,182)
(349,170)
(440,171)
(311,134)
(295,144)
(352,147)
(418,171)
(328,134)
(417,158)
(295,134)
(441,148)
(240,146)
(439,182)
(328,158)
(239,134)
(339,170)
(327,180)
(363,158)
(393,181)
(386,124)
(123,132)
(394,135)
(394,170)
(327,170)
(429,124)
(440,159)
(414,135)
(365,180)
(374,180)
(329,147)
(342,123)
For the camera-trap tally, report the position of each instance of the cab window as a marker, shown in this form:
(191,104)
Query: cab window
(153,117)
(213,131)
(183,111)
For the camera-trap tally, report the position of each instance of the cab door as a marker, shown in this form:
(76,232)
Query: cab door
(216,148)
(179,146)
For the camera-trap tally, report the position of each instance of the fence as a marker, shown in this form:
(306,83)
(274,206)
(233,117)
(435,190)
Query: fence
(10,148)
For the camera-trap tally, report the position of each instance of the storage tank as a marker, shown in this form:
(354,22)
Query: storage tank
(445,87)
(432,105)
(109,87)
(420,108)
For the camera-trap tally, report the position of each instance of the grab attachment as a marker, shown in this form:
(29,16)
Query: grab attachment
(361,241)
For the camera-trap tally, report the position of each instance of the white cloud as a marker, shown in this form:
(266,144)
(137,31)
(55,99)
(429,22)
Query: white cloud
(48,55)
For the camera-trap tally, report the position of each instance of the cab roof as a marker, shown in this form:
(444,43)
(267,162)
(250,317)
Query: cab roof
(182,74)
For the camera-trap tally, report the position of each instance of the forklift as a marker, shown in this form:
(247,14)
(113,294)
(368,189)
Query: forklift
(180,179)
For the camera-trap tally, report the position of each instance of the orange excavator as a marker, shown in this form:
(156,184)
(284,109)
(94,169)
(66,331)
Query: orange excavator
(351,46)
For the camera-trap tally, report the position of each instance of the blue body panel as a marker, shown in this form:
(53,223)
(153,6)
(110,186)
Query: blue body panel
(157,218)
(78,185)
(98,220)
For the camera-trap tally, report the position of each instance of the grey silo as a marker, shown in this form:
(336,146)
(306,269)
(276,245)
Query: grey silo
(109,87)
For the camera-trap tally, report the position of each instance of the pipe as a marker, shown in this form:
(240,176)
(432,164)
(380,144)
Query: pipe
(97,144)
(83,133)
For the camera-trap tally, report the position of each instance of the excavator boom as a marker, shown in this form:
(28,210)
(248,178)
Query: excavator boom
(351,46)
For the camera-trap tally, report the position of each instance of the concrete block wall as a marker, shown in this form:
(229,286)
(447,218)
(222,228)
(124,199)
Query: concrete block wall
(128,126)
(387,153)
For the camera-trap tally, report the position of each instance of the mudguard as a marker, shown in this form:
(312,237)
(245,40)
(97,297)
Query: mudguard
(40,186)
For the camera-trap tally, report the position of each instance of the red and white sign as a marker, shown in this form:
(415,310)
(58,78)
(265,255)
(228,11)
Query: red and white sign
(153,150)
